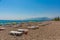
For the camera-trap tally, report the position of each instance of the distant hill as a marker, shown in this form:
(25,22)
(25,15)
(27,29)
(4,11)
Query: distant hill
(39,18)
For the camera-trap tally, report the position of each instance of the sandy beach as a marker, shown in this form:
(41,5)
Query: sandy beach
(49,31)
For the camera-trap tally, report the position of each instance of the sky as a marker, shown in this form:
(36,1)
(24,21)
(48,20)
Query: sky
(23,9)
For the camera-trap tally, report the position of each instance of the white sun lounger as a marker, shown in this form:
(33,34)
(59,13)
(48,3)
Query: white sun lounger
(23,30)
(33,27)
(2,28)
(16,33)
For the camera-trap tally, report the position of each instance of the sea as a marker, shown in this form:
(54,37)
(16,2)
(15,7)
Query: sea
(19,21)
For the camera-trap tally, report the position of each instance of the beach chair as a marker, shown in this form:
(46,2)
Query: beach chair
(27,24)
(33,27)
(18,25)
(2,28)
(25,31)
(16,33)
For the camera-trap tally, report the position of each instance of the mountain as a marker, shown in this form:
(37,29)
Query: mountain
(39,18)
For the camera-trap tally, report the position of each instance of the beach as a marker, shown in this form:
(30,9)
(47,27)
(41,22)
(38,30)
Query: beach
(49,30)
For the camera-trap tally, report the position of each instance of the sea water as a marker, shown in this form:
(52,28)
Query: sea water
(18,21)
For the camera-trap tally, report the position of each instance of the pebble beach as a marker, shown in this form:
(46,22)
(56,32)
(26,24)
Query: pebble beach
(49,30)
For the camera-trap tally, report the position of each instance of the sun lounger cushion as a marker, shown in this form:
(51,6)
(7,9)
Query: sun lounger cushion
(16,33)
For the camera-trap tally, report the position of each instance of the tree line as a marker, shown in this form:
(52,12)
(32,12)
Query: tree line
(56,19)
